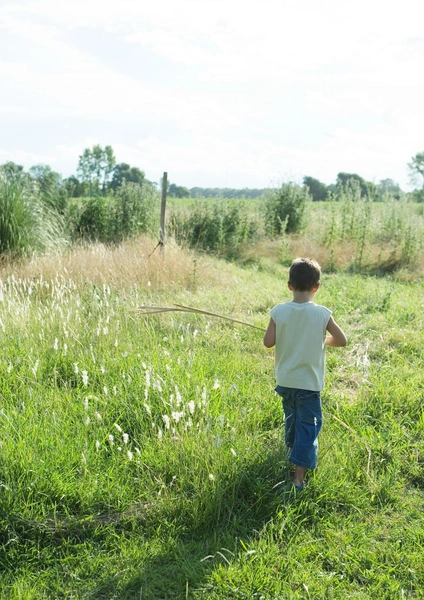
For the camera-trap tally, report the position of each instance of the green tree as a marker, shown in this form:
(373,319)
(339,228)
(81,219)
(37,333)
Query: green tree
(178,191)
(367,188)
(416,169)
(317,189)
(124,173)
(387,188)
(73,186)
(95,167)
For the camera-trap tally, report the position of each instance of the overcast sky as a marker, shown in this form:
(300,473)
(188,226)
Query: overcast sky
(217,93)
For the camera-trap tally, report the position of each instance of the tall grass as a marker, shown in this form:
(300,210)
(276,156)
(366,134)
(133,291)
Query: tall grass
(27,223)
(143,457)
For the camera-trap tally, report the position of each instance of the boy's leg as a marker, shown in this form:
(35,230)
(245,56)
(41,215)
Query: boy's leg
(308,425)
(289,406)
(299,476)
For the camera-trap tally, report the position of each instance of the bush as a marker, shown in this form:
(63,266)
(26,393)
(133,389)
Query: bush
(221,228)
(27,223)
(132,210)
(285,208)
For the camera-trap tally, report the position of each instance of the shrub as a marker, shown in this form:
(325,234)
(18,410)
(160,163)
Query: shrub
(285,208)
(221,228)
(27,223)
(131,210)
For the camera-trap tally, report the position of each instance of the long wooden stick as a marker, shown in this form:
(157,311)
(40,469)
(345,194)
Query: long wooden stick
(212,314)
(150,310)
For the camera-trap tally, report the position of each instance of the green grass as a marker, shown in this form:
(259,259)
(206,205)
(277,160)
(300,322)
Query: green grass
(142,457)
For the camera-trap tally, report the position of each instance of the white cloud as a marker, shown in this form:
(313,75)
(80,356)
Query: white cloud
(249,73)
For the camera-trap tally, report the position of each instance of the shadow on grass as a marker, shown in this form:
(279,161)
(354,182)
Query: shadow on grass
(237,511)
(239,514)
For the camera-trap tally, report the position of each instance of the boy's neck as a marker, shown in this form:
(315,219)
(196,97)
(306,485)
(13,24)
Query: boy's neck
(302,297)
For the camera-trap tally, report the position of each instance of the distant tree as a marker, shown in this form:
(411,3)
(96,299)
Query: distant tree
(95,167)
(416,169)
(47,179)
(178,191)
(199,192)
(73,186)
(317,189)
(388,188)
(124,173)
(367,188)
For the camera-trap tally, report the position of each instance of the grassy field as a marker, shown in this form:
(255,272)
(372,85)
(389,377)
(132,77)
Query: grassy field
(142,457)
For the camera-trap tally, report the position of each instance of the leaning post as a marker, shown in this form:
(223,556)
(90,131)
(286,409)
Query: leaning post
(162,213)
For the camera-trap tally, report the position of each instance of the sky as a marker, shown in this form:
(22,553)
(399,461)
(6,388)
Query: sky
(222,93)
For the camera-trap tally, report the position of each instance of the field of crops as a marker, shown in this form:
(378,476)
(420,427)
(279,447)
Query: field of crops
(142,457)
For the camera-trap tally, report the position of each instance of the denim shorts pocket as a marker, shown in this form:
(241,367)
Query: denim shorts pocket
(309,405)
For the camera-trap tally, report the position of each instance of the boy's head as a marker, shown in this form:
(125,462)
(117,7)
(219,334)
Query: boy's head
(304,274)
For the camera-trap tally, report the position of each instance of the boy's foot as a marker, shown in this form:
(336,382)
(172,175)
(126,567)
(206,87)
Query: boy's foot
(300,488)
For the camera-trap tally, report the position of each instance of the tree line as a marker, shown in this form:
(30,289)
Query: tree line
(99,174)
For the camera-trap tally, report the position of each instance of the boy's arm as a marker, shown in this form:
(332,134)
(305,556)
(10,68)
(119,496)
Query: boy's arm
(337,337)
(269,337)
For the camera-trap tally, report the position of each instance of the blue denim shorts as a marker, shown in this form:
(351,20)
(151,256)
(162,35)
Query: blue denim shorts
(303,422)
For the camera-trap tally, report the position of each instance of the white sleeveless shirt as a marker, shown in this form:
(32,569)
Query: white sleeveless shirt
(300,344)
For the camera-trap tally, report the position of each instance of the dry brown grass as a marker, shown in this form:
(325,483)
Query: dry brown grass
(376,259)
(133,263)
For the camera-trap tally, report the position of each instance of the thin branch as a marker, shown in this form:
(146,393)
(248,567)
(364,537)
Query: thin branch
(150,310)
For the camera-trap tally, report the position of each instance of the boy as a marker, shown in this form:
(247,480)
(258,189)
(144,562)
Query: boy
(297,329)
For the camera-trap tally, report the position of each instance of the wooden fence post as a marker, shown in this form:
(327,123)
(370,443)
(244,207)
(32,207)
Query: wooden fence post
(162,213)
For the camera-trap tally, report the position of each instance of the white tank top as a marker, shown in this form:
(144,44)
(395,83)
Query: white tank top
(300,344)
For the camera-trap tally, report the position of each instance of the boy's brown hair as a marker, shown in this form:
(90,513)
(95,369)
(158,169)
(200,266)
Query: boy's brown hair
(304,274)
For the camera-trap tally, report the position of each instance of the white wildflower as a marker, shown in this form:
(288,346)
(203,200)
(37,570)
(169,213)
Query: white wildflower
(130,454)
(105,390)
(233,452)
(160,433)
(191,407)
(111,438)
(125,438)
(118,427)
(84,375)
(148,409)
(56,344)
(178,396)
(97,445)
(177,415)
(98,416)
(211,477)
(216,385)
(76,369)
(87,420)
(166,420)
